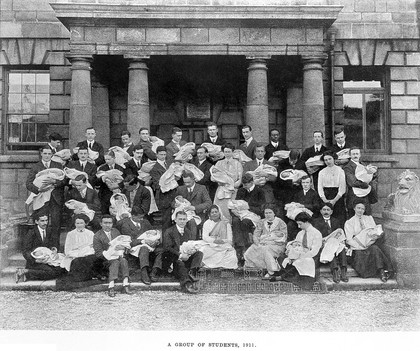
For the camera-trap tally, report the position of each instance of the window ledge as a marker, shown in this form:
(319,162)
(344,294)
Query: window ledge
(18,158)
(379,158)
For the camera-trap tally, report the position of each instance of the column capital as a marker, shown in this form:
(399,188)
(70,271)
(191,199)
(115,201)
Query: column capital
(257,63)
(81,62)
(314,61)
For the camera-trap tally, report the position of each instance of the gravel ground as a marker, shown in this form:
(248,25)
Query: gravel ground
(394,310)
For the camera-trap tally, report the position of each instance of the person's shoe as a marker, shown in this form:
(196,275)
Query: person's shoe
(336,275)
(344,277)
(145,277)
(154,276)
(111,292)
(126,290)
(268,276)
(192,276)
(384,275)
(189,288)
(101,277)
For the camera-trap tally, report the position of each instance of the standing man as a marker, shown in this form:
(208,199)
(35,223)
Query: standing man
(127,143)
(163,200)
(149,154)
(83,165)
(101,242)
(199,198)
(316,150)
(93,145)
(175,144)
(39,236)
(248,147)
(55,142)
(341,144)
(275,144)
(365,191)
(55,205)
(183,263)
(204,165)
(213,136)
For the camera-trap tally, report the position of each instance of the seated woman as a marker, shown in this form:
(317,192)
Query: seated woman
(302,255)
(368,260)
(270,238)
(80,259)
(218,251)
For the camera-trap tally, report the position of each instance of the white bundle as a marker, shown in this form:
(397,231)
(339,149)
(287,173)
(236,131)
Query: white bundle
(190,247)
(156,142)
(279,155)
(365,174)
(314,163)
(304,265)
(112,253)
(41,198)
(61,156)
(121,156)
(333,245)
(119,207)
(226,184)
(72,173)
(168,180)
(241,209)
(185,152)
(180,205)
(343,154)
(263,173)
(294,208)
(215,151)
(292,174)
(112,178)
(367,237)
(48,256)
(198,174)
(81,206)
(240,156)
(150,239)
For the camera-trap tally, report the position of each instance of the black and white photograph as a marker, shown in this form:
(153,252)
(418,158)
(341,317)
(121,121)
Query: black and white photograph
(209,174)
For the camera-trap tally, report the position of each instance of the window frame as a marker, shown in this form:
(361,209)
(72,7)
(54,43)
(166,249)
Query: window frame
(6,145)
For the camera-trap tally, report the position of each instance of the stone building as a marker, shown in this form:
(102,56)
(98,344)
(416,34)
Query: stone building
(299,65)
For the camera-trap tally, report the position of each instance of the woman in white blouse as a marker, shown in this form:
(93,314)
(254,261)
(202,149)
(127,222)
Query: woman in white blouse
(332,185)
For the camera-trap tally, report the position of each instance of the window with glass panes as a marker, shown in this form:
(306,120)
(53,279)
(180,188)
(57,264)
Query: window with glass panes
(365,108)
(27,108)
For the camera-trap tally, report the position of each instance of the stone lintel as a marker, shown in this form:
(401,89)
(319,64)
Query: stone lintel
(321,16)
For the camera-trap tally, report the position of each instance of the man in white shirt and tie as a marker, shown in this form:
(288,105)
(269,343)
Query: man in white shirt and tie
(39,236)
(213,136)
(248,147)
(275,144)
(127,143)
(91,144)
(175,144)
(84,165)
(316,150)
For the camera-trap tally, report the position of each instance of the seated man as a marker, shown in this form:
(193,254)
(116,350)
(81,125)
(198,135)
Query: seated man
(134,227)
(83,165)
(80,192)
(39,236)
(93,145)
(126,143)
(173,238)
(137,195)
(203,164)
(133,166)
(199,198)
(149,154)
(243,230)
(101,242)
(326,224)
(308,196)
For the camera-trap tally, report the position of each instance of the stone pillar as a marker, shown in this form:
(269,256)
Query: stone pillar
(313,98)
(100,113)
(81,98)
(257,99)
(138,113)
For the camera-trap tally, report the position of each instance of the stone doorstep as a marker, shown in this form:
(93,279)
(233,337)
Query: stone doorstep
(357,283)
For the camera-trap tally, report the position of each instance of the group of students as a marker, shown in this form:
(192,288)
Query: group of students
(227,211)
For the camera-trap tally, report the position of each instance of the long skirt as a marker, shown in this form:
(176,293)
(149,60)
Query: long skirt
(85,268)
(367,263)
(291,274)
(263,256)
(219,256)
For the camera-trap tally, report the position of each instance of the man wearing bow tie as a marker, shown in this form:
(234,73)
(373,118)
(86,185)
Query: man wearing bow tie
(55,205)
(275,144)
(39,236)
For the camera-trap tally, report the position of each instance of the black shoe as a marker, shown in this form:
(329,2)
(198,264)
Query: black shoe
(384,275)
(192,275)
(344,277)
(336,275)
(154,276)
(189,288)
(126,290)
(145,277)
(111,292)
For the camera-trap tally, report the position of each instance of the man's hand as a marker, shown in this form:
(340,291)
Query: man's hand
(184,257)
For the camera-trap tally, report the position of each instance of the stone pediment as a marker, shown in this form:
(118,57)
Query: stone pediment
(76,14)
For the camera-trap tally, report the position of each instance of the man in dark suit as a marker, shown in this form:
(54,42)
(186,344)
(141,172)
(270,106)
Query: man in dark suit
(101,242)
(133,166)
(175,144)
(308,196)
(315,150)
(149,154)
(55,140)
(93,145)
(134,227)
(199,198)
(204,165)
(341,144)
(83,165)
(80,192)
(326,224)
(213,136)
(354,183)
(242,230)
(55,205)
(39,236)
(183,263)
(138,196)
(275,144)
(248,147)
(127,143)
(163,200)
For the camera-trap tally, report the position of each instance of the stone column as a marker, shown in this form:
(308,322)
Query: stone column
(257,99)
(138,114)
(81,98)
(313,98)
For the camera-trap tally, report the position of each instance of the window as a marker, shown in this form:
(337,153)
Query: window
(27,109)
(365,108)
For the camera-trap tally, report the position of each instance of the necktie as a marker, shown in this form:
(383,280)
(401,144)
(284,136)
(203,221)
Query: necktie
(46,165)
(138,164)
(362,225)
(90,145)
(213,140)
(327,221)
(305,240)
(43,234)
(108,234)
(165,165)
(83,166)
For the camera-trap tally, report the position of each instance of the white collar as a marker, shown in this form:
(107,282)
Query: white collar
(192,188)
(180,230)
(274,144)
(162,163)
(251,188)
(249,141)
(201,162)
